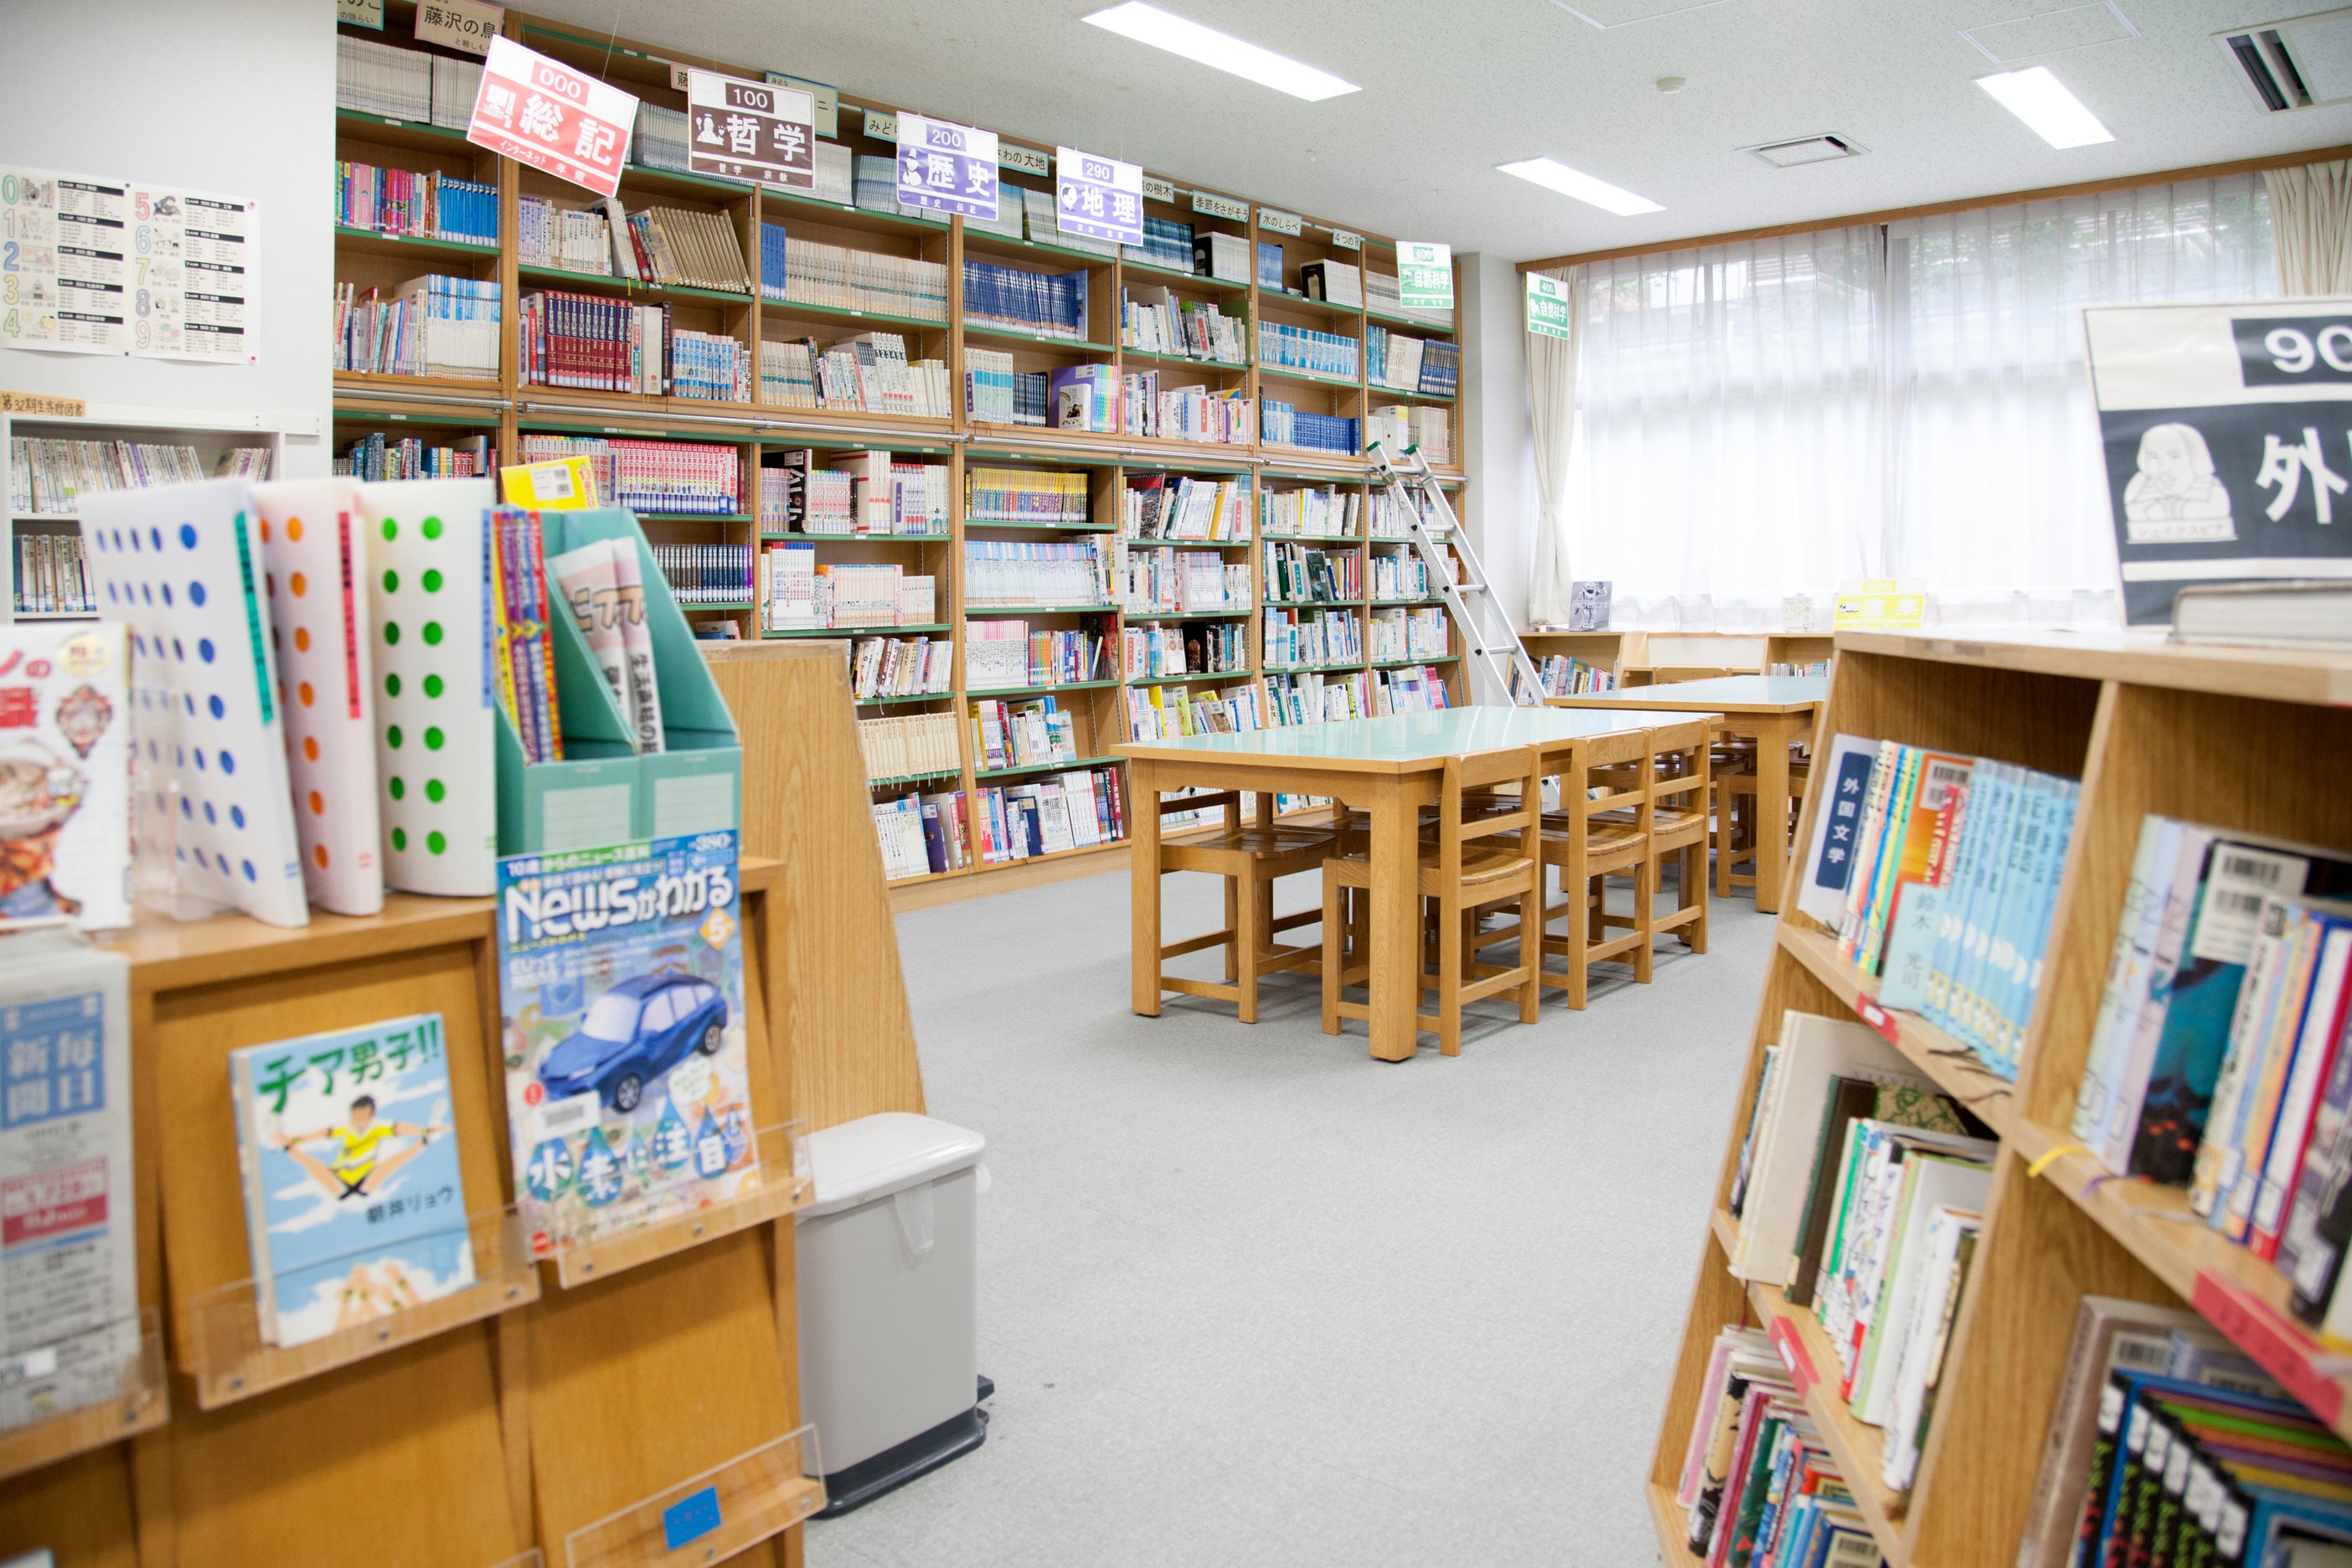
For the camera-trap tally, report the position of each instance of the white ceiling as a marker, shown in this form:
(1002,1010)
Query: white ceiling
(1453,89)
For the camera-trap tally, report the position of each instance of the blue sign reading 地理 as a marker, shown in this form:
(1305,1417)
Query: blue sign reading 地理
(1100,198)
(947,168)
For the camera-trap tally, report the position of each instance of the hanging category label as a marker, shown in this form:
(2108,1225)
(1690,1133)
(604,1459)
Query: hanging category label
(1100,198)
(1424,276)
(2227,435)
(1547,314)
(827,100)
(1346,239)
(1159,190)
(1220,207)
(558,121)
(193,281)
(64,240)
(467,26)
(750,131)
(946,168)
(360,13)
(1028,160)
(1275,221)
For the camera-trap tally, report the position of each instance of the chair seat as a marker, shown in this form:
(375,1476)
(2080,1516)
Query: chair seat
(1276,840)
(1480,868)
(1599,836)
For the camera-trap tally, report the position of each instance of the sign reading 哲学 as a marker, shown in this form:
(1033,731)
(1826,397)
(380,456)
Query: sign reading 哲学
(1547,307)
(2227,431)
(1100,198)
(465,25)
(750,131)
(558,120)
(946,168)
(1424,276)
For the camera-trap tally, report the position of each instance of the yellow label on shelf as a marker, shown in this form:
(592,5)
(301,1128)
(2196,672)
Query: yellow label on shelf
(40,402)
(563,485)
(1879,605)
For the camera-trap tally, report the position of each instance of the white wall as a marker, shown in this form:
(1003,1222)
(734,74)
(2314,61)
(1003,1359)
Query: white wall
(237,98)
(1501,512)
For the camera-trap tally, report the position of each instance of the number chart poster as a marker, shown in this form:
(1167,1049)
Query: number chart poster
(2227,433)
(194,280)
(621,988)
(63,238)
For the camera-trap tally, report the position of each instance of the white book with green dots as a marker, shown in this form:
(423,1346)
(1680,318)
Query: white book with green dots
(429,607)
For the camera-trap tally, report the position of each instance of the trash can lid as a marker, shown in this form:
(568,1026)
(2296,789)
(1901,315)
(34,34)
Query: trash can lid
(876,1155)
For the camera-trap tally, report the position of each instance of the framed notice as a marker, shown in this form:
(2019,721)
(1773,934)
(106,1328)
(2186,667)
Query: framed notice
(1100,198)
(560,122)
(946,168)
(195,288)
(750,131)
(63,272)
(2226,431)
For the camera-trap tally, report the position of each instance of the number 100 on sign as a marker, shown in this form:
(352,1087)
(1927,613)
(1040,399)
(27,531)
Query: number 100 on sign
(750,131)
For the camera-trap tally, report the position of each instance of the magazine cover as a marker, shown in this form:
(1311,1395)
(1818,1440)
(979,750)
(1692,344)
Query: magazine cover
(65,776)
(354,1206)
(621,983)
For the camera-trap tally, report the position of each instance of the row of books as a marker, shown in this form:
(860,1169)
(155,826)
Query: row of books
(909,746)
(1005,655)
(1285,347)
(697,478)
(922,835)
(1406,634)
(401,201)
(681,248)
(522,651)
(1308,697)
(1185,648)
(571,240)
(868,373)
(1167,712)
(1160,507)
(1941,871)
(1565,676)
(1312,639)
(1301,573)
(900,666)
(1154,320)
(404,84)
(855,494)
(1397,426)
(1015,573)
(432,325)
(1050,304)
(1167,242)
(705,573)
(1328,511)
(1220,256)
(1157,582)
(1183,413)
(52,578)
(994,393)
(47,474)
(796,593)
(1027,498)
(1029,734)
(1335,282)
(1383,294)
(1073,810)
(1427,365)
(1083,397)
(1285,425)
(592,342)
(1403,574)
(1392,518)
(380,455)
(807,272)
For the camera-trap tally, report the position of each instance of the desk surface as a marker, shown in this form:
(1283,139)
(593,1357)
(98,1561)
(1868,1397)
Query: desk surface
(1401,742)
(1721,694)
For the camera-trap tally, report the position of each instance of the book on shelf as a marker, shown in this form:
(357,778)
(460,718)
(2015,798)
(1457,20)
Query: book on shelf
(1016,573)
(1049,304)
(1153,320)
(1333,282)
(1022,734)
(2305,613)
(923,834)
(1381,294)
(1196,413)
(1286,425)
(700,478)
(52,575)
(1167,242)
(904,667)
(1083,398)
(522,657)
(1164,507)
(1307,573)
(380,455)
(1159,582)
(1004,654)
(1396,634)
(1563,675)
(1166,712)
(402,202)
(1073,810)
(1224,257)
(1159,649)
(1269,266)
(840,277)
(705,573)
(1284,347)
(1324,512)
(1306,639)
(909,746)
(404,84)
(432,325)
(354,1199)
(46,475)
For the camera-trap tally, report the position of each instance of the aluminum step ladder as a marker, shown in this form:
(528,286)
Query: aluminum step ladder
(1486,628)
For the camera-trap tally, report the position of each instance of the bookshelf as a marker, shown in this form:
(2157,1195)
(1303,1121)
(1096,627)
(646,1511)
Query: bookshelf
(1647,657)
(2237,737)
(503,408)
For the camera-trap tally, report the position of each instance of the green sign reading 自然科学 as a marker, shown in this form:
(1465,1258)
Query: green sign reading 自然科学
(1547,307)
(1424,276)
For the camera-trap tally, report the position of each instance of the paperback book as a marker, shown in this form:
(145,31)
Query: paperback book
(65,777)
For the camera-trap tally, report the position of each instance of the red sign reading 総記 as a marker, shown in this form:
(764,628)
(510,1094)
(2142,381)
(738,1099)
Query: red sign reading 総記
(541,113)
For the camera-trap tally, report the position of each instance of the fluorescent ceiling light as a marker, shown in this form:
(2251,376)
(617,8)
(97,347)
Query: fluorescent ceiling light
(1570,182)
(2051,111)
(1150,24)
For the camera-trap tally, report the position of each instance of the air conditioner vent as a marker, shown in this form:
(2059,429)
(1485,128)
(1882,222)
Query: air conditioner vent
(1807,150)
(2304,63)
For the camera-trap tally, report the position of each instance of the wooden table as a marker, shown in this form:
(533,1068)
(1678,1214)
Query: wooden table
(1775,710)
(1387,768)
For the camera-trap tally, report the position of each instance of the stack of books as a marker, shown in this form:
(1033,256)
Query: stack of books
(1302,574)
(398,201)
(797,592)
(1334,282)
(1563,676)
(923,834)
(1037,733)
(705,573)
(1401,576)
(996,394)
(868,373)
(1156,322)
(1310,512)
(1166,243)
(1188,647)
(659,140)
(594,342)
(1000,572)
(1050,305)
(1184,413)
(1026,497)
(46,474)
(1160,508)
(522,653)
(1407,634)
(1315,640)
(1285,425)
(1312,698)
(1398,425)
(1429,366)
(692,477)
(1418,689)
(1073,810)
(1285,347)
(430,326)
(1391,521)
(52,575)
(378,79)
(681,248)
(1006,655)
(1166,712)
(571,240)
(805,272)
(376,456)
(1159,582)
(900,666)
(909,746)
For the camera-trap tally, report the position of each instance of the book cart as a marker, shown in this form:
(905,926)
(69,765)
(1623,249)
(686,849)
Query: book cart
(572,1412)
(2241,737)
(444,410)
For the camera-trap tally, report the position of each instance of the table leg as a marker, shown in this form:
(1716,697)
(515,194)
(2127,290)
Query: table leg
(1771,812)
(1143,881)
(1395,958)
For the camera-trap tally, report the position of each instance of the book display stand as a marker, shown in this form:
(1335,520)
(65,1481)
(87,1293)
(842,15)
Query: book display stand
(714,1515)
(145,1404)
(784,1185)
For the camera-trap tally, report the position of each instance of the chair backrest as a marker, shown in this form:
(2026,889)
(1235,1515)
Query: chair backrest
(1470,808)
(1230,800)
(1615,775)
(1680,754)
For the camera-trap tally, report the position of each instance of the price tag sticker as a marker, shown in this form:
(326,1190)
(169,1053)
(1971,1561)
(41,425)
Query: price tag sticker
(2277,1346)
(1878,1018)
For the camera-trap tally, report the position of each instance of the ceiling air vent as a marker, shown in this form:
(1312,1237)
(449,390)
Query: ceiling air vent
(2304,63)
(1807,150)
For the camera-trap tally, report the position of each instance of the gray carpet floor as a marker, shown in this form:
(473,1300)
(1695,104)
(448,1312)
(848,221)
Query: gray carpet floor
(1252,1298)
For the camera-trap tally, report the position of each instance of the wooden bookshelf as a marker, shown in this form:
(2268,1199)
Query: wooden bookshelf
(1646,657)
(2235,737)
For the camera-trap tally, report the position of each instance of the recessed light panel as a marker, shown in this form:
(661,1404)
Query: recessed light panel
(1558,176)
(1181,36)
(2052,112)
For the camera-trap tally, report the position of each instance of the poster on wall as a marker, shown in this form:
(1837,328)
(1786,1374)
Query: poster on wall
(195,285)
(2227,434)
(560,122)
(946,168)
(750,131)
(63,243)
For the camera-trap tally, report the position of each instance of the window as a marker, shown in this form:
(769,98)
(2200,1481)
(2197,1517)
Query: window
(662,1010)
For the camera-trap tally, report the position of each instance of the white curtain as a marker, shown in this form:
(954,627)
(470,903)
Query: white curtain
(1552,404)
(2311,213)
(1773,417)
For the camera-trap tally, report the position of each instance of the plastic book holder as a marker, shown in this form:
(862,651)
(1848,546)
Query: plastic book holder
(710,1517)
(230,1361)
(142,1403)
(785,1184)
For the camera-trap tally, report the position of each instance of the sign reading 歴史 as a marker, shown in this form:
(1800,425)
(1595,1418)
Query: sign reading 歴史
(1424,276)
(2227,433)
(560,122)
(1547,307)
(1100,198)
(946,168)
(466,25)
(750,131)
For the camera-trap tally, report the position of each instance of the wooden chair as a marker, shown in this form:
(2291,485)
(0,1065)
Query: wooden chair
(1482,856)
(1738,832)
(1250,857)
(1601,829)
(1680,801)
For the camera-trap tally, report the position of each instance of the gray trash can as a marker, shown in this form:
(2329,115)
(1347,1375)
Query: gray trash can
(889,1302)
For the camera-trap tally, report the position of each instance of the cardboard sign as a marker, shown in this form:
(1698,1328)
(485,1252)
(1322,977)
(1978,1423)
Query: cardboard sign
(1346,239)
(360,13)
(467,25)
(1275,221)
(1424,276)
(1547,307)
(2227,434)
(40,402)
(1100,198)
(565,484)
(828,100)
(1159,190)
(750,130)
(560,122)
(946,168)
(1220,207)
(1879,605)
(1028,160)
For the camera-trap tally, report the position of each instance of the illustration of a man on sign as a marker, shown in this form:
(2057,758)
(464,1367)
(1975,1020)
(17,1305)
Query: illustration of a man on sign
(2176,498)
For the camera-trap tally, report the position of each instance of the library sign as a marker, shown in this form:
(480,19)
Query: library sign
(946,168)
(2227,435)
(750,131)
(1547,307)
(1424,276)
(558,121)
(1100,198)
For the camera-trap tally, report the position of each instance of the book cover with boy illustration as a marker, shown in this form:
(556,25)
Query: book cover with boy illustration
(354,1206)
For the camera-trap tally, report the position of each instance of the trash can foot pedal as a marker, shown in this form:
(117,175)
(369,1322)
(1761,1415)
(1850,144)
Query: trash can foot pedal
(987,1388)
(859,1484)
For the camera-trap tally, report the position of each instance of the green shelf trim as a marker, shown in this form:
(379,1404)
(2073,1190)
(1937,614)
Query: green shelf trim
(421,242)
(849,631)
(633,285)
(1237,367)
(971,610)
(1313,604)
(594,425)
(914,778)
(1318,669)
(849,209)
(914,697)
(770,302)
(1197,279)
(1186,543)
(1017,334)
(1287,373)
(1188,679)
(771,538)
(1047,527)
(985,238)
(1315,539)
(359,121)
(345,414)
(1390,319)
(693,517)
(1409,663)
(1403,604)
(720,605)
(994,691)
(1187,614)
(1409,396)
(646,174)
(1046,767)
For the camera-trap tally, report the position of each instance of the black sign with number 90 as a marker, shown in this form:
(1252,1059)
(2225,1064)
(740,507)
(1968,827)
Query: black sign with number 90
(2293,351)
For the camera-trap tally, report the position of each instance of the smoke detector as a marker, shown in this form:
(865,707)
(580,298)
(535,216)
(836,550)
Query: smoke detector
(2302,63)
(1807,150)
